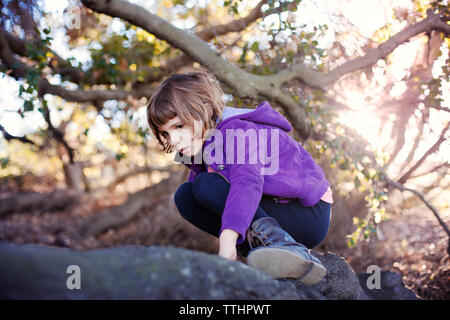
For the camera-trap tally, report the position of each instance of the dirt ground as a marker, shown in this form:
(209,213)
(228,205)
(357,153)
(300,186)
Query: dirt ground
(413,244)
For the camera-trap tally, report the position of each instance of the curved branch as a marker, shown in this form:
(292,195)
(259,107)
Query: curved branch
(320,80)
(131,173)
(418,138)
(92,96)
(9,137)
(117,215)
(433,149)
(432,170)
(418,194)
(68,72)
(18,70)
(26,201)
(241,24)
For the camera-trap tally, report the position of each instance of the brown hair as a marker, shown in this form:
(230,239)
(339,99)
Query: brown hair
(195,95)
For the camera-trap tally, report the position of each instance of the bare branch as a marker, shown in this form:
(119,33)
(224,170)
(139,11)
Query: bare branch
(10,137)
(59,136)
(433,149)
(93,95)
(117,215)
(19,70)
(417,139)
(320,80)
(440,108)
(58,64)
(133,172)
(434,169)
(418,194)
(240,24)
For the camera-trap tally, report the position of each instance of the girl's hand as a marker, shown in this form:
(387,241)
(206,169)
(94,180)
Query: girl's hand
(227,244)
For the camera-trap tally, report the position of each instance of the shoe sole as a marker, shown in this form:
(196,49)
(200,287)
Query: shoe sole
(282,263)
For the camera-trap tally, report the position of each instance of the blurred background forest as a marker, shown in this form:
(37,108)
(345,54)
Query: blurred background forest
(365,85)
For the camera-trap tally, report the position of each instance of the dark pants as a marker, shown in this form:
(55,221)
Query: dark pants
(202,202)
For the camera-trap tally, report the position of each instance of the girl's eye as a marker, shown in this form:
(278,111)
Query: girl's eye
(179,126)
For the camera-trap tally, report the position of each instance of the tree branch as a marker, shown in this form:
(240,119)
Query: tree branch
(320,80)
(19,71)
(434,169)
(117,215)
(10,137)
(433,149)
(131,173)
(421,197)
(59,136)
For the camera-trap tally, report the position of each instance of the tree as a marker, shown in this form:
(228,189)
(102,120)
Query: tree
(302,79)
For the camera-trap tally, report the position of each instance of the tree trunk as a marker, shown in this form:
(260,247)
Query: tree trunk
(74,176)
(27,201)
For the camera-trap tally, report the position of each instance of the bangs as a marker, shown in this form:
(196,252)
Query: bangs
(160,116)
(161,111)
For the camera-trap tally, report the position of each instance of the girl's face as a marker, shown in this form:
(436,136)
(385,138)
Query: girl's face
(182,137)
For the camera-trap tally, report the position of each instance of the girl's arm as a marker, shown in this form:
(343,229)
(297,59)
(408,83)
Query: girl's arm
(246,184)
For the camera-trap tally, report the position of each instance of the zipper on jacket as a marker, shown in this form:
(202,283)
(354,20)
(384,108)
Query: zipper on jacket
(223,176)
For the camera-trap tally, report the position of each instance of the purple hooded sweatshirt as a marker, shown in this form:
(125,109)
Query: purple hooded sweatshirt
(282,167)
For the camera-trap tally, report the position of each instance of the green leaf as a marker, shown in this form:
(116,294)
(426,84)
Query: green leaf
(28,105)
(357,183)
(235,8)
(120,156)
(255,46)
(4,162)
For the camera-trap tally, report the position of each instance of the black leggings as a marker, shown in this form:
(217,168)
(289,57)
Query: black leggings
(202,202)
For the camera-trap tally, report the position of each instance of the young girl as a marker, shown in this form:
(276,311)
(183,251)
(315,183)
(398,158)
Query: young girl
(271,212)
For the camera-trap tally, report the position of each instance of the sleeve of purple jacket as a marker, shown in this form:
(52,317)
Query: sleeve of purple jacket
(191,177)
(246,183)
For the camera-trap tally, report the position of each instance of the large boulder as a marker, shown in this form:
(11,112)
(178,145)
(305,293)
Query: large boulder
(137,272)
(391,287)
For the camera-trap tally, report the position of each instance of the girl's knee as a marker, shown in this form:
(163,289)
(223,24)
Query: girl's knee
(183,193)
(205,182)
(318,237)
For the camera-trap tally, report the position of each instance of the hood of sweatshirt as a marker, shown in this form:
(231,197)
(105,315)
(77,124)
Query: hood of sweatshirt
(262,114)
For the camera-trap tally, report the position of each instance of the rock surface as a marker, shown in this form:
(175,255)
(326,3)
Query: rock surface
(136,272)
(391,287)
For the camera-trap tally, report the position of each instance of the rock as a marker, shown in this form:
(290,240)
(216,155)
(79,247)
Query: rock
(138,272)
(340,281)
(391,287)
(132,272)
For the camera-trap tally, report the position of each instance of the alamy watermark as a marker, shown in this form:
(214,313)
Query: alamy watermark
(74,280)
(374,280)
(236,147)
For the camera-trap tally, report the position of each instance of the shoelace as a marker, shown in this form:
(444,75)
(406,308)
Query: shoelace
(260,236)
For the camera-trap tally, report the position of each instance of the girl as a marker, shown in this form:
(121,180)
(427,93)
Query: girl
(271,212)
